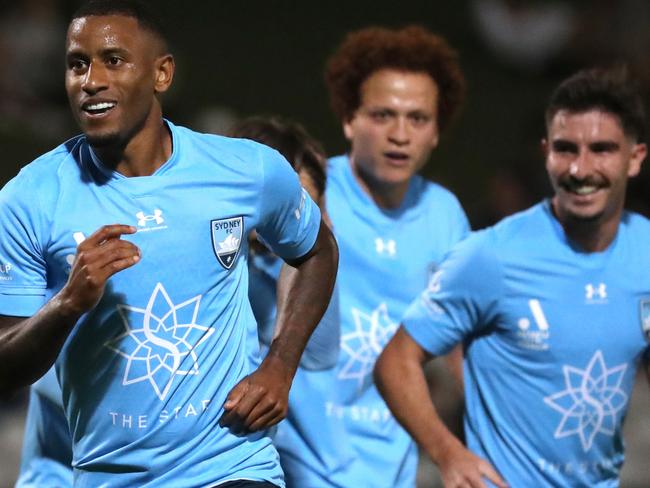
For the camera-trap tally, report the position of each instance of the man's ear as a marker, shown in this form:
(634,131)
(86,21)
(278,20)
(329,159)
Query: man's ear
(348,130)
(639,153)
(165,67)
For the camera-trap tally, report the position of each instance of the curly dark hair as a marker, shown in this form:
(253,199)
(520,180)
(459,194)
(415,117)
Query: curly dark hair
(411,49)
(611,90)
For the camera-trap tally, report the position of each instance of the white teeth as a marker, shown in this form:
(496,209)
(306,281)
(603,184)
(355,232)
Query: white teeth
(585,190)
(100,106)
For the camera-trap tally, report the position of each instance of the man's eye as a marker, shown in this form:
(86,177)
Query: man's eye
(379,116)
(564,147)
(114,60)
(76,64)
(420,119)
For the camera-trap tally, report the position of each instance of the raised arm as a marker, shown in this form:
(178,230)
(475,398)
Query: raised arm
(260,400)
(400,379)
(29,346)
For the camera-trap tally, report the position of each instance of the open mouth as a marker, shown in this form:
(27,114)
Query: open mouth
(98,108)
(396,156)
(581,188)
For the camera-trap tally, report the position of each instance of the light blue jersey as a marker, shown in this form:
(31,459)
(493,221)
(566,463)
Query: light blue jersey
(47,447)
(553,337)
(310,455)
(386,257)
(144,375)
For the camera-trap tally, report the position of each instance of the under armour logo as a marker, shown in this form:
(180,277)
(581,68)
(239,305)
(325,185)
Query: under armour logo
(599,292)
(389,246)
(143,219)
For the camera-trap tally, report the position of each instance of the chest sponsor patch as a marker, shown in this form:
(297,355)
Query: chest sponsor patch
(226,239)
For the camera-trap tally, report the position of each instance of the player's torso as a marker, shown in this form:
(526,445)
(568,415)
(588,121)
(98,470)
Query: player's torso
(560,368)
(172,334)
(386,259)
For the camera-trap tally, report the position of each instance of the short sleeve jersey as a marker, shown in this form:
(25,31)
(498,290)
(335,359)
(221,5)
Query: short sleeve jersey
(144,375)
(385,258)
(553,337)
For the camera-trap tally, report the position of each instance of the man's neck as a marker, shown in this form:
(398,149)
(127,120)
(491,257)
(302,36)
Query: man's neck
(385,195)
(142,155)
(591,235)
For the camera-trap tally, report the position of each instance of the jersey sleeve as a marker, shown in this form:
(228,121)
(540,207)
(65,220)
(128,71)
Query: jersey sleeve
(289,218)
(460,300)
(23,279)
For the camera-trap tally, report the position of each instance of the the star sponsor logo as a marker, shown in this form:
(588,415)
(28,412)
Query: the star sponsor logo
(591,401)
(159,341)
(362,346)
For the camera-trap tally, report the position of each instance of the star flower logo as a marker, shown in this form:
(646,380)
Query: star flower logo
(159,341)
(591,401)
(363,346)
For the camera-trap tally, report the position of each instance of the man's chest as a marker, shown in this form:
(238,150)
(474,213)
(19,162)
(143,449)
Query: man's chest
(180,229)
(550,317)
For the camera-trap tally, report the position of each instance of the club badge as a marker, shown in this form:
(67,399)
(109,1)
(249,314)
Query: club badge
(226,239)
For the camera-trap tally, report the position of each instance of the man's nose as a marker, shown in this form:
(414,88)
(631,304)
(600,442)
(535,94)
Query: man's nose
(399,132)
(95,79)
(582,166)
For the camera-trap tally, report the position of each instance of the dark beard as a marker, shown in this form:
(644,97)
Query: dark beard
(103,141)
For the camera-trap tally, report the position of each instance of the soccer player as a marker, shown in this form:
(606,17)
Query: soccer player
(552,306)
(309,453)
(124,254)
(395,92)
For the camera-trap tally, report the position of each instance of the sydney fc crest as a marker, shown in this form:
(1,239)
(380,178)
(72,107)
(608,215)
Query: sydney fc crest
(644,306)
(226,239)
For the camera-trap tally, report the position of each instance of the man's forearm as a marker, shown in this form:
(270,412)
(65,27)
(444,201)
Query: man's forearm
(399,376)
(29,346)
(303,300)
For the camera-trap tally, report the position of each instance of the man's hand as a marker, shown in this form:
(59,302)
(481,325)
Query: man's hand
(98,258)
(260,400)
(460,468)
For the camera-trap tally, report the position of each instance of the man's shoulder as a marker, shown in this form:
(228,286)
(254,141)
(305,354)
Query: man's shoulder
(50,166)
(636,222)
(519,232)
(433,193)
(221,148)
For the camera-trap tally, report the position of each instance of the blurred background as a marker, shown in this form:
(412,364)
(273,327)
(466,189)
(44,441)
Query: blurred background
(236,59)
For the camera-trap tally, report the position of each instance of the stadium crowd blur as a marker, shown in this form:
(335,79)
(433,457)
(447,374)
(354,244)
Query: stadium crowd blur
(237,59)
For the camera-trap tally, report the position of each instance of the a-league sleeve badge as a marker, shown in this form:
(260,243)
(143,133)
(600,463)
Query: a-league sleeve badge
(644,308)
(226,239)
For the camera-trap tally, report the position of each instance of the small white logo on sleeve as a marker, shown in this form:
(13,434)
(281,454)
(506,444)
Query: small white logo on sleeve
(5,271)
(301,207)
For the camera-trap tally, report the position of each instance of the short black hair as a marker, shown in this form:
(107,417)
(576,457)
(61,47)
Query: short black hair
(291,140)
(608,89)
(148,18)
